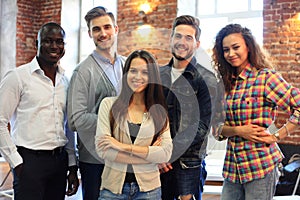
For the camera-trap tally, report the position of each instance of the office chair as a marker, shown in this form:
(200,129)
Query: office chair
(291,167)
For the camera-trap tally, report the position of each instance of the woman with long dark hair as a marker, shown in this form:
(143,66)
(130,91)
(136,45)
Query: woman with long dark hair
(133,134)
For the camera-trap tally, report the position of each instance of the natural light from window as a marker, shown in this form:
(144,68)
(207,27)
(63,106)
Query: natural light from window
(216,14)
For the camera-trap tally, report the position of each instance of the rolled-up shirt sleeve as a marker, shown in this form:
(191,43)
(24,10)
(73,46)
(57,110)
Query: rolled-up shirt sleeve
(284,95)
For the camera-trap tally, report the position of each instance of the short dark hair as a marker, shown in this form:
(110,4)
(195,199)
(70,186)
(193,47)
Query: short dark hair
(188,20)
(50,24)
(98,12)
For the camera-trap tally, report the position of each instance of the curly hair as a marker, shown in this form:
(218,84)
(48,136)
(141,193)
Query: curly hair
(257,57)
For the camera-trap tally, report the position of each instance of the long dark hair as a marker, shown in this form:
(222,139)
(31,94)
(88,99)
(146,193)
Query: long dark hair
(153,95)
(256,56)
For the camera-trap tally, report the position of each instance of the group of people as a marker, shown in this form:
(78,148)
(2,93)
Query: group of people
(142,128)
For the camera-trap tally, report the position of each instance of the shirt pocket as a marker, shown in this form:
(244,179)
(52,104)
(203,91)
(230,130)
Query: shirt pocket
(245,109)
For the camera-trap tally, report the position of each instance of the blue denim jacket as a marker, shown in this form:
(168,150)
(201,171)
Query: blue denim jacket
(189,109)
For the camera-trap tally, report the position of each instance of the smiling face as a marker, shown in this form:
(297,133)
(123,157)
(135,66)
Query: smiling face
(183,42)
(50,45)
(235,51)
(103,32)
(137,77)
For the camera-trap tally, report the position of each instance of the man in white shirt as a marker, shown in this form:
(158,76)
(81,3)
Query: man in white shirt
(33,100)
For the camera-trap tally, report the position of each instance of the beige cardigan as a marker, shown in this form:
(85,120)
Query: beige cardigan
(147,175)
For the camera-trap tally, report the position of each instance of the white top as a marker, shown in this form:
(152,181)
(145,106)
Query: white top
(36,112)
(175,73)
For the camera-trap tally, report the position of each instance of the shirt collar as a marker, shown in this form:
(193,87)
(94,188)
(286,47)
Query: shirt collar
(35,67)
(246,72)
(97,56)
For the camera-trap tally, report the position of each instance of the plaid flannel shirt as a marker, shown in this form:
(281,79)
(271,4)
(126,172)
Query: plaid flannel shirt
(254,99)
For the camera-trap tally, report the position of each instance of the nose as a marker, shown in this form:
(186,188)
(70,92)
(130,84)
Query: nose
(53,44)
(138,75)
(230,52)
(103,33)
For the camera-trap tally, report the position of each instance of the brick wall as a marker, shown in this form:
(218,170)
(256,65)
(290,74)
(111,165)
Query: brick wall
(31,15)
(282,40)
(281,33)
(155,36)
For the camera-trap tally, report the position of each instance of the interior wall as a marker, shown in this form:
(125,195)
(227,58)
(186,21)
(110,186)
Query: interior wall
(8,12)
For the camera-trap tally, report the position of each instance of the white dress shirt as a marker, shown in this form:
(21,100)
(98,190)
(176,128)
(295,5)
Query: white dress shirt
(36,111)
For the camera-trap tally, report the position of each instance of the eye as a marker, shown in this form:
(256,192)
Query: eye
(189,38)
(177,36)
(60,42)
(133,71)
(96,29)
(107,27)
(236,47)
(47,41)
(145,72)
(225,50)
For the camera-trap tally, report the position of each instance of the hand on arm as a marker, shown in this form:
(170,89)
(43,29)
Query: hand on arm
(249,132)
(163,167)
(284,131)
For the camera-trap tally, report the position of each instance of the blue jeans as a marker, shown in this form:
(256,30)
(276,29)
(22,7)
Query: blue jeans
(90,180)
(131,191)
(260,189)
(183,179)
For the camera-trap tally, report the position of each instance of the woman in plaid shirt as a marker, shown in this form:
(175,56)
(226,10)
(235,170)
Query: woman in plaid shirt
(253,93)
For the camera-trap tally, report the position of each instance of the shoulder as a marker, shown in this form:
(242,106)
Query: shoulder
(86,64)
(268,73)
(164,68)
(108,100)
(122,58)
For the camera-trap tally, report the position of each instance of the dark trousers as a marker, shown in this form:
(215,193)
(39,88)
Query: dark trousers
(43,175)
(90,180)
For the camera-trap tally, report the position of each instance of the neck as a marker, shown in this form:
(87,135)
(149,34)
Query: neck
(180,64)
(109,54)
(48,68)
(138,99)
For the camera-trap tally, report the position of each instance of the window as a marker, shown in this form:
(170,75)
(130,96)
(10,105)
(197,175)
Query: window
(86,43)
(216,14)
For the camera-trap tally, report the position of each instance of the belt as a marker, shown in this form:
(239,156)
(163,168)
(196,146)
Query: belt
(56,151)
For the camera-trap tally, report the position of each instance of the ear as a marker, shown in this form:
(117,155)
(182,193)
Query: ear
(116,29)
(89,31)
(197,44)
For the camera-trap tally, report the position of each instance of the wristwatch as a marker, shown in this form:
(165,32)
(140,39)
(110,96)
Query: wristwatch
(276,134)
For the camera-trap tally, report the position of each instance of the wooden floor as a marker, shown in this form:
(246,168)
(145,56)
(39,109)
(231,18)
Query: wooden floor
(4,168)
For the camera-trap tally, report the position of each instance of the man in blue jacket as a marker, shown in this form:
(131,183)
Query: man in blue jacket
(189,108)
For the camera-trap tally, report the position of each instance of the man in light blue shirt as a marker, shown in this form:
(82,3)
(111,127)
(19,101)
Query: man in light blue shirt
(96,77)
